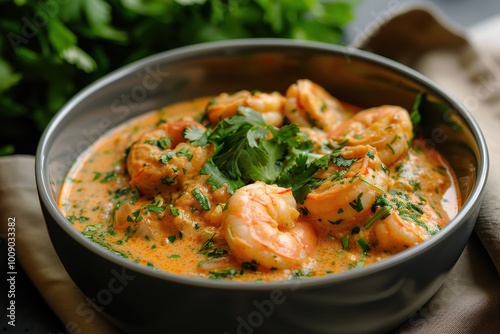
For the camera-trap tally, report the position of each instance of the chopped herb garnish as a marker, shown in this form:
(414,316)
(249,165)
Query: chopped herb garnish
(110,176)
(201,199)
(168,180)
(357,204)
(91,229)
(380,214)
(163,143)
(390,148)
(371,184)
(166,157)
(173,210)
(121,191)
(157,208)
(345,242)
(136,217)
(363,244)
(135,195)
(302,273)
(97,175)
(185,152)
(171,238)
(226,273)
(252,265)
(208,249)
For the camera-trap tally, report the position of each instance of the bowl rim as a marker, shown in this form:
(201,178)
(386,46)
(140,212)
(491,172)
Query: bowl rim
(226,47)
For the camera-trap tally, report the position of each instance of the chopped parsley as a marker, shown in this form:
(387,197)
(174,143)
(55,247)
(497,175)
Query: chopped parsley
(225,273)
(357,204)
(201,199)
(110,176)
(163,143)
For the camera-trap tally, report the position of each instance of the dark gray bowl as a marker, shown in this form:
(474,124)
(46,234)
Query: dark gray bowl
(375,298)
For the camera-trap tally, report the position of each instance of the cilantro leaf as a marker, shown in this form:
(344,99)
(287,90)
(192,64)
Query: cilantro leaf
(196,136)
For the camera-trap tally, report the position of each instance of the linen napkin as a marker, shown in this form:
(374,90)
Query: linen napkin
(464,63)
(34,251)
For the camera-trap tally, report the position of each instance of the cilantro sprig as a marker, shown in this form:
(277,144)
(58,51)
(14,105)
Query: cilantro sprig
(247,150)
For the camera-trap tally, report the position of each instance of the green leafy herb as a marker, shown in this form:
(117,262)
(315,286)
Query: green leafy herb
(157,208)
(363,244)
(336,222)
(80,41)
(345,242)
(380,214)
(97,175)
(201,199)
(168,180)
(173,210)
(247,150)
(110,176)
(225,273)
(166,157)
(302,273)
(136,217)
(209,250)
(357,204)
(163,143)
(389,146)
(253,265)
(185,152)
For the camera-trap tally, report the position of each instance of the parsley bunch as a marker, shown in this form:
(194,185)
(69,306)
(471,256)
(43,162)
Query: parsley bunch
(50,50)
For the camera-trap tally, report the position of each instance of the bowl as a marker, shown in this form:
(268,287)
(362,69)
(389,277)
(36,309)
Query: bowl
(376,298)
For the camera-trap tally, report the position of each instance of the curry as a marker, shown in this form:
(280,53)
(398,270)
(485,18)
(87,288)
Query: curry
(256,186)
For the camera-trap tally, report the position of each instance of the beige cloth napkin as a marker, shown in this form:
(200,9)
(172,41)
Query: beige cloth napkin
(463,63)
(34,251)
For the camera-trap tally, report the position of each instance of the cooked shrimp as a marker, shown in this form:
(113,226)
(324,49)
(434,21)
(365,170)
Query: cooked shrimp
(161,158)
(262,226)
(349,189)
(226,105)
(387,128)
(411,221)
(310,105)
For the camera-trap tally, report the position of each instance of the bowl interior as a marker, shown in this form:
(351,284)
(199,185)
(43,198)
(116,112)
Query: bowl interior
(351,75)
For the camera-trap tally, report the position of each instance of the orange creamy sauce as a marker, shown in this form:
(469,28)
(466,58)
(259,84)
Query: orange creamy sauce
(171,230)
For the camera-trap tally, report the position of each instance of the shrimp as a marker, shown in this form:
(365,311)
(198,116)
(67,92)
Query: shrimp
(387,128)
(352,182)
(226,105)
(411,220)
(310,105)
(262,226)
(161,158)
